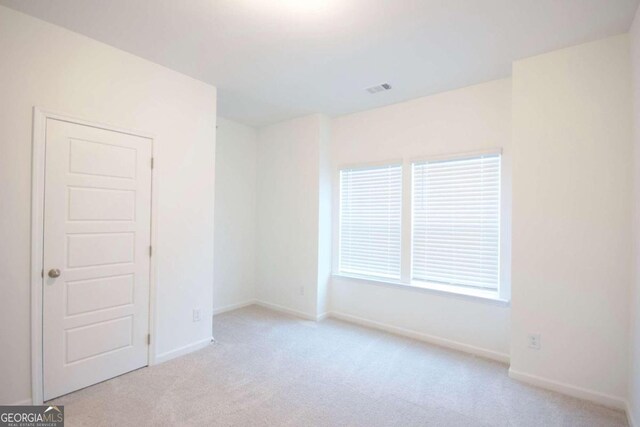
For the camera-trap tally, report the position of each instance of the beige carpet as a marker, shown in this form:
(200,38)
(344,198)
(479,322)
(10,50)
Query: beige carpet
(269,369)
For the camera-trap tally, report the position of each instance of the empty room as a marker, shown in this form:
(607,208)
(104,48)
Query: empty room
(320,213)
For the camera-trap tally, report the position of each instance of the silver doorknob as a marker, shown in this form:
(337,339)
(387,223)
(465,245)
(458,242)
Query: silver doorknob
(54,272)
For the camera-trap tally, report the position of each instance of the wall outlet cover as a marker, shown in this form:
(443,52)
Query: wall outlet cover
(533,341)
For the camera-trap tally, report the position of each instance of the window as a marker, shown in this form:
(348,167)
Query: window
(370,221)
(456,222)
(441,232)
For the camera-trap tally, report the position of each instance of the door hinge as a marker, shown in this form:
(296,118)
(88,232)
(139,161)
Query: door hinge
(42,273)
(152,163)
(148,339)
(150,250)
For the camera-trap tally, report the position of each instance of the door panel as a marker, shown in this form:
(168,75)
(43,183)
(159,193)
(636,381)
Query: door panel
(84,296)
(98,338)
(90,204)
(94,249)
(97,233)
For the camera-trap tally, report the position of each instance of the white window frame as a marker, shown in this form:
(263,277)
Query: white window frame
(503,293)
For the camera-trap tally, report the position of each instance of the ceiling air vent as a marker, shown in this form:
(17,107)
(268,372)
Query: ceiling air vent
(379,88)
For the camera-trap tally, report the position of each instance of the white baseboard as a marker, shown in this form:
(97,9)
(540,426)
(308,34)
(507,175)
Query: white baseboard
(286,310)
(232,307)
(23,402)
(570,390)
(630,419)
(181,351)
(322,316)
(443,342)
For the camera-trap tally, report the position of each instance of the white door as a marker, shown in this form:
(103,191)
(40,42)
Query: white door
(97,232)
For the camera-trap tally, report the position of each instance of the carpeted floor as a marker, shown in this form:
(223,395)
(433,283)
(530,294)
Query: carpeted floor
(269,369)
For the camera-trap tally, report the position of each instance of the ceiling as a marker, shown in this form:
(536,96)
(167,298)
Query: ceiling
(277,59)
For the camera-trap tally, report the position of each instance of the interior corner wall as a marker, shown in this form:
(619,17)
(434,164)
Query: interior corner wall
(288,215)
(572,156)
(325,232)
(235,216)
(61,71)
(634,368)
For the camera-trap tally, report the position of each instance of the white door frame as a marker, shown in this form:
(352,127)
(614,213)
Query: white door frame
(40,117)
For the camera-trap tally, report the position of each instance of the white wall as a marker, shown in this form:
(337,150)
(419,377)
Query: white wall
(634,372)
(50,67)
(235,215)
(288,159)
(325,244)
(465,120)
(289,207)
(572,217)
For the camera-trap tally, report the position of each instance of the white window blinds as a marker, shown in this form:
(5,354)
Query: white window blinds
(370,216)
(456,221)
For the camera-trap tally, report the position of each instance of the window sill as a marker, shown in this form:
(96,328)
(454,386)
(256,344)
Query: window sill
(438,288)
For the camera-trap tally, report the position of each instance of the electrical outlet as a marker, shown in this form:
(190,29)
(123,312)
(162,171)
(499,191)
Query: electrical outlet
(302,291)
(534,341)
(196,315)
